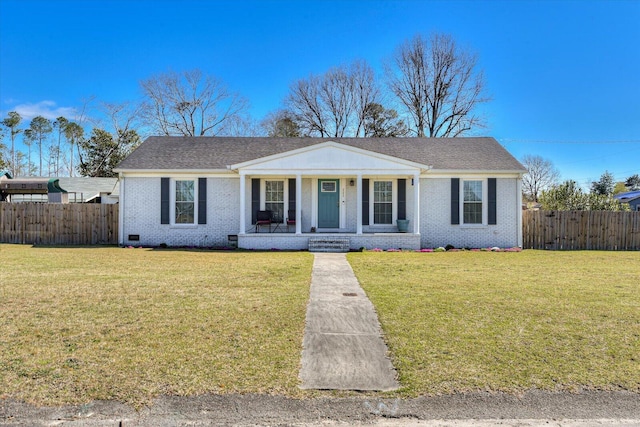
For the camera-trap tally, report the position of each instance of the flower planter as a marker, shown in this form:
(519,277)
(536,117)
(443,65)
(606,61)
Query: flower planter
(403,225)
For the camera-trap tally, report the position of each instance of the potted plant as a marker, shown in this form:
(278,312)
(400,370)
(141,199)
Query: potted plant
(403,225)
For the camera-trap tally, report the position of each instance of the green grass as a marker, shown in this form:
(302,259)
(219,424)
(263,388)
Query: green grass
(78,324)
(468,321)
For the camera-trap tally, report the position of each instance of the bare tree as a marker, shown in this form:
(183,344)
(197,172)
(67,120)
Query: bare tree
(438,85)
(242,125)
(304,101)
(189,104)
(541,175)
(366,91)
(122,117)
(334,104)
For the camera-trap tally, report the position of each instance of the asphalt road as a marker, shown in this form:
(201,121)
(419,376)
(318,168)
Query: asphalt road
(588,408)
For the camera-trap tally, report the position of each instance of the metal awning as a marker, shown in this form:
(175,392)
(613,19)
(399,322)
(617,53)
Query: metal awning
(30,186)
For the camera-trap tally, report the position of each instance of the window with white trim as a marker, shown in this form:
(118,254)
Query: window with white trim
(274,198)
(184,202)
(472,200)
(383,202)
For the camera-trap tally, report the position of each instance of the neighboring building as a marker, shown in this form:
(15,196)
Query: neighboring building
(204,191)
(630,197)
(43,189)
(61,189)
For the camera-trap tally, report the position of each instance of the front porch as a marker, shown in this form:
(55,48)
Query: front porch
(292,241)
(332,191)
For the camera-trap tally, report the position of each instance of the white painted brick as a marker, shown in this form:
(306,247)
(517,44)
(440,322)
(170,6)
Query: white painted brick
(435,224)
(142,214)
(141,204)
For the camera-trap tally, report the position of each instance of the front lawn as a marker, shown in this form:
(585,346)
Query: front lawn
(467,321)
(78,324)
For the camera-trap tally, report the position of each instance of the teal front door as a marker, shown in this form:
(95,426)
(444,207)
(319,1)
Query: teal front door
(328,203)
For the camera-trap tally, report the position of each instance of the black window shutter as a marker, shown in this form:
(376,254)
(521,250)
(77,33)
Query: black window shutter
(455,200)
(255,199)
(402,199)
(164,200)
(202,200)
(365,202)
(292,194)
(493,217)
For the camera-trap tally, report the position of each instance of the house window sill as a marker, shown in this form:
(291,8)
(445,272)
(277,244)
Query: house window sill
(471,226)
(183,226)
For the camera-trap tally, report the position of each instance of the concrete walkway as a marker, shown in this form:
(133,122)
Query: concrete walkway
(343,347)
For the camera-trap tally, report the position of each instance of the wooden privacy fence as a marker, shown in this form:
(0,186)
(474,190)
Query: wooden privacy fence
(58,224)
(581,230)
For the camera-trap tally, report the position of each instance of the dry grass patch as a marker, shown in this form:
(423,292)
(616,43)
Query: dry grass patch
(508,321)
(79,324)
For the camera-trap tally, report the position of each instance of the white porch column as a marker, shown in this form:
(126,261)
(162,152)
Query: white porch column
(416,203)
(243,198)
(359,204)
(299,204)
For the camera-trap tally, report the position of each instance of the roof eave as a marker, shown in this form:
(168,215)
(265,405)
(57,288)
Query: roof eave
(478,171)
(171,171)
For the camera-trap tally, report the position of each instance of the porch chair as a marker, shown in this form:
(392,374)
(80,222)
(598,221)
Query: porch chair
(264,218)
(291,218)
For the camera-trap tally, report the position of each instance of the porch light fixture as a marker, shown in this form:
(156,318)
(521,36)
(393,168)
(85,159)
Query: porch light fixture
(411,181)
(352,183)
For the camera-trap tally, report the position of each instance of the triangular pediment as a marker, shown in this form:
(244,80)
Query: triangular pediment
(331,157)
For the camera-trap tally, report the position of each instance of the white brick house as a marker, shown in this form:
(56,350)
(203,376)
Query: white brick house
(203,191)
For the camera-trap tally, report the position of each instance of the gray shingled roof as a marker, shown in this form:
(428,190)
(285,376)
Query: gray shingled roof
(202,153)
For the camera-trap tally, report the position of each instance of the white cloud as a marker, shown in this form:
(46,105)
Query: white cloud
(47,109)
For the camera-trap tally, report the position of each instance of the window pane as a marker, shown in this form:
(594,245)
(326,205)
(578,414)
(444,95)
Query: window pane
(472,213)
(185,191)
(185,202)
(184,213)
(328,187)
(382,213)
(382,191)
(274,199)
(472,191)
(382,202)
(274,191)
(472,210)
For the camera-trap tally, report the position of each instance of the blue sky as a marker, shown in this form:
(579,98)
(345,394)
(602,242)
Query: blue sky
(564,76)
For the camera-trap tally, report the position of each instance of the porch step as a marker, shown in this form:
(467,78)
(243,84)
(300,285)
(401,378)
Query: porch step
(329,244)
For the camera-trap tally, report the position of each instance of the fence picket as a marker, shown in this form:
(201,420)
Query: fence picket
(58,224)
(84,224)
(581,230)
